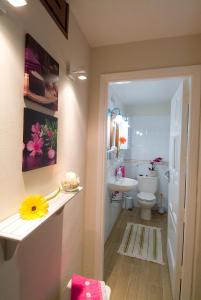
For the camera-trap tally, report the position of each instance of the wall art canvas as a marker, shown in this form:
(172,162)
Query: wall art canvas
(59,11)
(41,75)
(39,140)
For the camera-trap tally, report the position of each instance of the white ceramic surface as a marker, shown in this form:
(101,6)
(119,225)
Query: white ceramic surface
(123,184)
(147,187)
(147,184)
(145,209)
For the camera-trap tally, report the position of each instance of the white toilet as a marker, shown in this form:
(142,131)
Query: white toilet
(147,186)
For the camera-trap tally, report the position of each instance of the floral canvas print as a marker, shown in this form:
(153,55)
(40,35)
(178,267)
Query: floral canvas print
(41,75)
(39,141)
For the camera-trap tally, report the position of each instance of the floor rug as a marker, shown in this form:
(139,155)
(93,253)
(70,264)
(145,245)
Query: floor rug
(143,242)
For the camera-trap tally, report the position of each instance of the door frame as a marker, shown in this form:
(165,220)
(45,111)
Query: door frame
(192,188)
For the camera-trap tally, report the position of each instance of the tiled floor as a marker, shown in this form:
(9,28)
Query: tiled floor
(131,278)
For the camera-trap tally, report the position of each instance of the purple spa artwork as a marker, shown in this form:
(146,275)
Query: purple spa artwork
(41,75)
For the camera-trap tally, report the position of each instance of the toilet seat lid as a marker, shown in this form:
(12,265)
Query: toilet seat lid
(146,196)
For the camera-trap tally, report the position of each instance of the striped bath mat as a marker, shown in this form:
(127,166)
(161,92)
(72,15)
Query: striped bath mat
(143,242)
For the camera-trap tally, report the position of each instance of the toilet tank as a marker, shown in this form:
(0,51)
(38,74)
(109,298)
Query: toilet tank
(147,184)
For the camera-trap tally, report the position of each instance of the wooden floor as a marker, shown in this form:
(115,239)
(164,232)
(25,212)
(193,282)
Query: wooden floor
(132,278)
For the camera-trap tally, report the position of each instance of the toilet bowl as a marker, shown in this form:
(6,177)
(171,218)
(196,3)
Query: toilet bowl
(147,187)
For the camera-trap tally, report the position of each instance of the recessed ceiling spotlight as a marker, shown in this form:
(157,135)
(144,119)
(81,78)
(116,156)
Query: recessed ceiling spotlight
(17,3)
(121,82)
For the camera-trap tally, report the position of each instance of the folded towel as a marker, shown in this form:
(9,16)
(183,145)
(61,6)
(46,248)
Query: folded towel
(86,288)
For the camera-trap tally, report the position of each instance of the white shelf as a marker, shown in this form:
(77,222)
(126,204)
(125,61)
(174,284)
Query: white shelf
(16,229)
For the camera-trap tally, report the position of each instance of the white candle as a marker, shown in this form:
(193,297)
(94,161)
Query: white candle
(71,182)
(71,176)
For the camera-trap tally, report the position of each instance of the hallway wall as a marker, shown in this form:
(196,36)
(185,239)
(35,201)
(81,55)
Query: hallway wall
(46,259)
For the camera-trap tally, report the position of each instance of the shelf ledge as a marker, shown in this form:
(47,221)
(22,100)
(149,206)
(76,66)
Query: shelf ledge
(14,229)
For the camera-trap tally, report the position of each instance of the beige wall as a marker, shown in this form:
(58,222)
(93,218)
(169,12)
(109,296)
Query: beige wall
(160,53)
(48,257)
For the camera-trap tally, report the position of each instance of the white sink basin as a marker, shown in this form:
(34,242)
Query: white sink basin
(123,184)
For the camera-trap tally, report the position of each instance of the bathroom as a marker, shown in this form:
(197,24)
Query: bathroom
(139,113)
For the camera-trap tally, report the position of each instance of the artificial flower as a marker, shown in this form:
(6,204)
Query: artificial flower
(122,140)
(155,161)
(35,146)
(33,207)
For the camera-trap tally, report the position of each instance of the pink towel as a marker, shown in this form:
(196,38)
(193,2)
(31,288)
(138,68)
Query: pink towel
(85,288)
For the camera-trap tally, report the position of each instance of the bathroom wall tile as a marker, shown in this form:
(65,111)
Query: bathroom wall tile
(148,139)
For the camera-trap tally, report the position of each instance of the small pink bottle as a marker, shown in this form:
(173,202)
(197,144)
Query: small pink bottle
(123,171)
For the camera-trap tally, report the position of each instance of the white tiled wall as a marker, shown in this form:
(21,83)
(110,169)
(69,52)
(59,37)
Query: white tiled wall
(148,139)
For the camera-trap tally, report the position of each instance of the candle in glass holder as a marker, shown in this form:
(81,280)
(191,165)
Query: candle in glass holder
(71,182)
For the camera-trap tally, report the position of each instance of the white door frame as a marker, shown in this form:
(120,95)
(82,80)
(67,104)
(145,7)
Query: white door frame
(194,72)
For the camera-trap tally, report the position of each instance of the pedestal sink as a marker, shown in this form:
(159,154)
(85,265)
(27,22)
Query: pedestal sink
(122,184)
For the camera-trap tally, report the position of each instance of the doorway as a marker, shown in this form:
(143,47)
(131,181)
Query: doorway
(193,73)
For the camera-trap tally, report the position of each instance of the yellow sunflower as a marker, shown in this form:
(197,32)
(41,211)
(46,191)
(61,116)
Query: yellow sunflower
(33,207)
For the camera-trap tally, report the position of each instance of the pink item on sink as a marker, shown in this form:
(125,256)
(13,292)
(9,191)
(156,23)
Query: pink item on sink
(123,171)
(85,288)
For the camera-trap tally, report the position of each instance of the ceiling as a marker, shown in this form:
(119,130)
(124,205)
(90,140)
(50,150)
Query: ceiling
(106,22)
(144,91)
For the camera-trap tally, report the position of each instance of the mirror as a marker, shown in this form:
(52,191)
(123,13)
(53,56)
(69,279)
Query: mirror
(115,131)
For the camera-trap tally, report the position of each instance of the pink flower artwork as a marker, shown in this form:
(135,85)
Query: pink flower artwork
(35,146)
(39,139)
